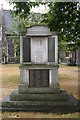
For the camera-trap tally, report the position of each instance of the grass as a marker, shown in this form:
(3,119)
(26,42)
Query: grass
(11,80)
(10,75)
(68,80)
(38,115)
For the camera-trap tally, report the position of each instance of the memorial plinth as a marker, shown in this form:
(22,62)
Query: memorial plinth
(39,65)
(39,87)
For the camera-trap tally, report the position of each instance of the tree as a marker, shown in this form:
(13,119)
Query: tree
(23,8)
(62,17)
(20,25)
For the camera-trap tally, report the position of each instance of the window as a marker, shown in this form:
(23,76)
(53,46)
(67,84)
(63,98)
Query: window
(67,54)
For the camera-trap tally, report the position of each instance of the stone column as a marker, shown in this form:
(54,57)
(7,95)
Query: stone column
(56,49)
(24,76)
(53,77)
(21,50)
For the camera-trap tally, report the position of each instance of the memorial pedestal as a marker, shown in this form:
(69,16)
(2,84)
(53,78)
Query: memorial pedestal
(39,75)
(39,87)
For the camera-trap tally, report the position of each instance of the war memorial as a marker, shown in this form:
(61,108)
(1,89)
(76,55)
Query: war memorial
(39,88)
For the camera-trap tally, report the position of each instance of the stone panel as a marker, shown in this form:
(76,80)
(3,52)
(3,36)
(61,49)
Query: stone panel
(32,78)
(51,49)
(39,50)
(26,50)
(39,78)
(45,78)
(24,76)
(53,77)
(38,31)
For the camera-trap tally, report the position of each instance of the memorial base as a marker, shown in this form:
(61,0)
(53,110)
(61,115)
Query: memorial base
(23,89)
(59,102)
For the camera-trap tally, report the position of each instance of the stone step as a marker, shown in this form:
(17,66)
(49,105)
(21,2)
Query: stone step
(62,96)
(51,106)
(37,103)
(8,103)
(24,90)
(42,109)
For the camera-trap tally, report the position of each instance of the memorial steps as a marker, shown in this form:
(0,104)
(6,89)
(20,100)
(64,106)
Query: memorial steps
(62,96)
(40,102)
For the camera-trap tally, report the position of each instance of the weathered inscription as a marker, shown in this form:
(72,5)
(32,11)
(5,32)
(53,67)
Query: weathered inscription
(39,50)
(39,78)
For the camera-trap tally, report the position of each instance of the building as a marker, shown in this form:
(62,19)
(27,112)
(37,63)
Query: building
(69,57)
(9,54)
(7,44)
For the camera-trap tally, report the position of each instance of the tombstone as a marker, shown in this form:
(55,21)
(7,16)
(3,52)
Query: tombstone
(39,87)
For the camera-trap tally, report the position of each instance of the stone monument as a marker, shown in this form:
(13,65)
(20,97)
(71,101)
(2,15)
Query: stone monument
(39,87)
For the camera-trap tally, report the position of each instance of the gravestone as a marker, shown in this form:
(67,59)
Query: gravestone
(39,86)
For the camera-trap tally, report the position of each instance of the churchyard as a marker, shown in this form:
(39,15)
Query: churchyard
(33,85)
(68,80)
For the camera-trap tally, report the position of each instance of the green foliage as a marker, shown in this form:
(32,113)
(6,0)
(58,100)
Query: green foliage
(23,8)
(64,18)
(34,19)
(19,25)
